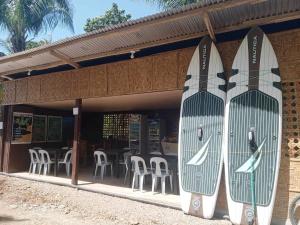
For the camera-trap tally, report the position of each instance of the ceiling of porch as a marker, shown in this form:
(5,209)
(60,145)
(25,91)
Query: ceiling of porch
(136,102)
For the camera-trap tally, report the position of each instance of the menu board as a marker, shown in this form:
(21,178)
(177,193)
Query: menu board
(22,128)
(39,129)
(54,133)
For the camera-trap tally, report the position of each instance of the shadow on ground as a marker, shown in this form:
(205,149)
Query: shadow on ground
(11,219)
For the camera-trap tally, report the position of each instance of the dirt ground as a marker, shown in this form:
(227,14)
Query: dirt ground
(30,203)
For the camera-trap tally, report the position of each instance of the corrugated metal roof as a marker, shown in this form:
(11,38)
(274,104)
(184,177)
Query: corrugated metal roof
(165,27)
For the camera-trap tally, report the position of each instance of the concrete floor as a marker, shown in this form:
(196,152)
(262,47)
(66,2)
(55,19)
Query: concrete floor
(110,185)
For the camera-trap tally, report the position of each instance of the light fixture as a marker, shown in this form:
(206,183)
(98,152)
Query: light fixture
(132,54)
(1,125)
(29,72)
(7,77)
(75,111)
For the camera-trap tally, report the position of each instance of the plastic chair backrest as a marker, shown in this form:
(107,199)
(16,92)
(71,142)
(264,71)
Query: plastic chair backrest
(68,156)
(34,156)
(45,158)
(155,153)
(158,161)
(100,157)
(137,163)
(126,156)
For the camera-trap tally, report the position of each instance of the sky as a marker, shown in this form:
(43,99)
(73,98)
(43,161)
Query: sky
(84,9)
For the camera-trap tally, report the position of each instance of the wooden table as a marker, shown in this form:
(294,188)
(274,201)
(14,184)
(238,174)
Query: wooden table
(117,153)
(172,165)
(56,152)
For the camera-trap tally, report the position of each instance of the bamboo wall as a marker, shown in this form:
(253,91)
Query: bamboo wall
(160,72)
(167,71)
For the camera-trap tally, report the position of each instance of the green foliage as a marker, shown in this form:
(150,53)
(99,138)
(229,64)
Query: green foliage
(34,44)
(24,18)
(7,45)
(111,17)
(169,4)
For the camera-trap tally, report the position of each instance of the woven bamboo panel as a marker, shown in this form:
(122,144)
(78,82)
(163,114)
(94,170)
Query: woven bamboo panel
(61,86)
(64,84)
(48,88)
(98,81)
(9,92)
(165,71)
(117,74)
(80,80)
(140,75)
(227,52)
(291,119)
(21,91)
(185,56)
(287,47)
(34,89)
(84,82)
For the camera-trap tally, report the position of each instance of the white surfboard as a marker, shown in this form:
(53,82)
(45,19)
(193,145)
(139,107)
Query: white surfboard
(252,140)
(201,131)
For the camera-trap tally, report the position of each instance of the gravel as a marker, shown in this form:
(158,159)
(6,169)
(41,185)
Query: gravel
(31,203)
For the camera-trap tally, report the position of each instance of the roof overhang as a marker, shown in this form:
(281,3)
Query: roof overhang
(193,21)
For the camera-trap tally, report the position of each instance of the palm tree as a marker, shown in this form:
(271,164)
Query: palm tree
(27,18)
(167,4)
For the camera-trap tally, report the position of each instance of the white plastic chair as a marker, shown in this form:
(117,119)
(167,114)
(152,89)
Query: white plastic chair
(158,172)
(64,149)
(125,162)
(139,171)
(101,161)
(45,161)
(34,161)
(66,161)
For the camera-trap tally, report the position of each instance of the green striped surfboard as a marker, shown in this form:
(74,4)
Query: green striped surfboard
(201,131)
(252,139)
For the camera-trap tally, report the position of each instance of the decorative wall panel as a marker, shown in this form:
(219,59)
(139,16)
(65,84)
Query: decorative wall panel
(117,74)
(9,92)
(34,89)
(98,81)
(165,71)
(21,91)
(184,58)
(140,75)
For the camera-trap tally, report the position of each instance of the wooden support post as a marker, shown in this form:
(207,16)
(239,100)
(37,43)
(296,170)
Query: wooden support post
(1,138)
(8,124)
(76,142)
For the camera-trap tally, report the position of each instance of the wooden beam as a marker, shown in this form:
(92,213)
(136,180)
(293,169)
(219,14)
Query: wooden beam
(209,26)
(39,67)
(76,142)
(130,28)
(260,22)
(64,58)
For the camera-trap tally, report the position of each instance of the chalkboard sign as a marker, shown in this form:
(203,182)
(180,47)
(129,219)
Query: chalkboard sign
(22,128)
(54,133)
(39,129)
